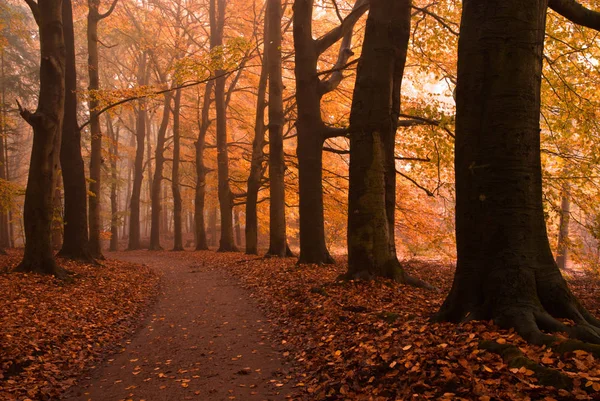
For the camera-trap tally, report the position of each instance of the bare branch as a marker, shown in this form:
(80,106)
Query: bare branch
(110,10)
(327,40)
(575,12)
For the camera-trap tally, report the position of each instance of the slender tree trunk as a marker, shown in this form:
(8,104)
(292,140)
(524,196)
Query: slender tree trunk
(57,217)
(177,202)
(505,268)
(203,123)
(562,253)
(277,229)
(47,131)
(159,161)
(140,136)
(212,225)
(75,243)
(226,243)
(114,200)
(94,17)
(4,218)
(257,168)
(130,166)
(237,227)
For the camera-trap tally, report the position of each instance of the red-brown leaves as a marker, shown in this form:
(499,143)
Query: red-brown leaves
(373,340)
(50,330)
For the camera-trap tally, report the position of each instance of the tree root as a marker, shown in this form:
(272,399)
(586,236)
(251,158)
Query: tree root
(514,358)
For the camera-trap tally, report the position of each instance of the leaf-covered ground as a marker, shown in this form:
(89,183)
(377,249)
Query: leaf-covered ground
(51,330)
(373,341)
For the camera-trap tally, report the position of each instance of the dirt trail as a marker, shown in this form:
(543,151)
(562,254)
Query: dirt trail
(205,339)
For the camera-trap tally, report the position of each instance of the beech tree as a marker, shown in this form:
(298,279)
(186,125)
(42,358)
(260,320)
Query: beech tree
(312,131)
(46,122)
(94,17)
(505,267)
(373,124)
(75,237)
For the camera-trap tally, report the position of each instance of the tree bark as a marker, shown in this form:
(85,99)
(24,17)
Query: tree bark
(311,129)
(505,267)
(562,253)
(257,168)
(177,202)
(46,122)
(4,217)
(114,195)
(226,243)
(159,161)
(138,175)
(203,124)
(371,249)
(95,223)
(277,228)
(75,238)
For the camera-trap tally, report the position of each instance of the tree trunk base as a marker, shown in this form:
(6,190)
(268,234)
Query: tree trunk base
(228,248)
(528,300)
(178,248)
(315,258)
(155,248)
(44,266)
(80,255)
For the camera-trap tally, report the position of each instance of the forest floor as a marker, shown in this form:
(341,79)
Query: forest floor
(236,327)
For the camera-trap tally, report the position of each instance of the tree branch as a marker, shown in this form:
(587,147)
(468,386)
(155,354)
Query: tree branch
(35,10)
(575,12)
(327,40)
(110,10)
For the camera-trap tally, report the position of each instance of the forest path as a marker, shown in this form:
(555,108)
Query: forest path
(205,339)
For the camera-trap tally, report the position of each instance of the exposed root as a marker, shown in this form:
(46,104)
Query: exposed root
(514,358)
(415,282)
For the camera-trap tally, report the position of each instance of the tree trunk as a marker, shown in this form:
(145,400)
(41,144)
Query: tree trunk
(46,122)
(505,267)
(75,238)
(4,217)
(375,108)
(94,17)
(277,229)
(217,21)
(312,132)
(203,124)
(177,202)
(562,253)
(159,161)
(212,225)
(138,175)
(257,163)
(114,200)
(237,227)
(57,217)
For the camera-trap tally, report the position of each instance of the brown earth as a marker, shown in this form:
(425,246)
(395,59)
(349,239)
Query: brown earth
(205,339)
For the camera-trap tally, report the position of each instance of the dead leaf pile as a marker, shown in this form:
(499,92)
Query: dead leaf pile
(374,341)
(51,330)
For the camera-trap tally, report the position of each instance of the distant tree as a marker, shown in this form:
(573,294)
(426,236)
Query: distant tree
(46,122)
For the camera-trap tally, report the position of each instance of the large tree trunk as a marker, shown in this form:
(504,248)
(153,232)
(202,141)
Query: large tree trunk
(75,238)
(138,174)
(277,228)
(310,127)
(371,249)
(312,131)
(114,199)
(46,122)
(177,202)
(217,21)
(203,124)
(159,162)
(212,225)
(505,268)
(257,162)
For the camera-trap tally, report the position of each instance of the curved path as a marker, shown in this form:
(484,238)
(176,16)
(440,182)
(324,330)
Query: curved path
(205,339)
